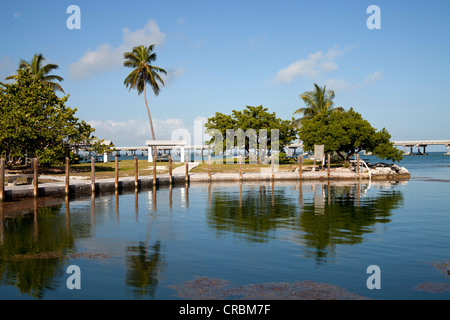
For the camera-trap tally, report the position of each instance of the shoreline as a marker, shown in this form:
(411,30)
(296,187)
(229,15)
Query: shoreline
(77,186)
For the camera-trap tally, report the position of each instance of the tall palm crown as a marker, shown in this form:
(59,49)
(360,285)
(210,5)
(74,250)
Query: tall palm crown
(144,73)
(319,100)
(41,71)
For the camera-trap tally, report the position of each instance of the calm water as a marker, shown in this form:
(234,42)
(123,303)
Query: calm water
(178,243)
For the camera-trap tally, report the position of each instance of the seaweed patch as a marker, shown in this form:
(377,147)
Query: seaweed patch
(217,289)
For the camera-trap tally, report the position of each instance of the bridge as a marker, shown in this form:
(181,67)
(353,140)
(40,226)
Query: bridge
(421,144)
(167,145)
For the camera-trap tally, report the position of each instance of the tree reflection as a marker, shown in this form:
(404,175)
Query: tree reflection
(31,250)
(345,219)
(322,217)
(253,213)
(144,265)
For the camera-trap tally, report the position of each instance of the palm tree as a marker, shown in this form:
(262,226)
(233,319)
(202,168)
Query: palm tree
(143,73)
(41,72)
(319,100)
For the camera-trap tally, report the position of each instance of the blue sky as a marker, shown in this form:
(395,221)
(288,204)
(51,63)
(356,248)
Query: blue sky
(225,55)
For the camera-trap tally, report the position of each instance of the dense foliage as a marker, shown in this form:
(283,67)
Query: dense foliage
(252,126)
(347,133)
(35,122)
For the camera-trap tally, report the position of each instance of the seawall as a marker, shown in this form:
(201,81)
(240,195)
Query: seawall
(128,183)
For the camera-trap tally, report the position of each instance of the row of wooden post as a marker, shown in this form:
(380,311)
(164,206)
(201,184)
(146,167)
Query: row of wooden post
(136,173)
(35,165)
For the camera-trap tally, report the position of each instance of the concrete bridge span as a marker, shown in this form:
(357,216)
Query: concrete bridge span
(421,144)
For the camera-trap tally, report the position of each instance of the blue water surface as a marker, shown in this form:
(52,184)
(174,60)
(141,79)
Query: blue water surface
(218,240)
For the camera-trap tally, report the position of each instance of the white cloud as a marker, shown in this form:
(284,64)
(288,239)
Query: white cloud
(311,67)
(340,84)
(134,132)
(106,58)
(171,75)
(150,34)
(373,77)
(16,15)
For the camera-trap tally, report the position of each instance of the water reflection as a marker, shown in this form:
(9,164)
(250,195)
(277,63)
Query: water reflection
(144,265)
(345,219)
(38,237)
(31,245)
(324,215)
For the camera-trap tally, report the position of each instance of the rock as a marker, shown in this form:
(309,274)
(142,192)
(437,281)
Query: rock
(393,169)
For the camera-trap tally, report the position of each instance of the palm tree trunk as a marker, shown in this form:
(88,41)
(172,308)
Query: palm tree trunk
(150,120)
(148,112)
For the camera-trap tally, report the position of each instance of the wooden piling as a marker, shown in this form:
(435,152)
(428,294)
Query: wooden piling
(154,169)
(300,165)
(273,167)
(92,174)
(136,175)
(170,170)
(66,189)
(240,167)
(36,176)
(187,170)
(116,172)
(2,179)
(357,164)
(209,167)
(328,166)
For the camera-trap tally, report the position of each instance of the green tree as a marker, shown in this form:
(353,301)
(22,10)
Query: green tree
(35,122)
(140,60)
(347,133)
(41,72)
(252,127)
(317,101)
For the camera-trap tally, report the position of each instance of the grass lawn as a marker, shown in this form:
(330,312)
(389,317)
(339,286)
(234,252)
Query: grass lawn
(107,170)
(247,167)
(145,168)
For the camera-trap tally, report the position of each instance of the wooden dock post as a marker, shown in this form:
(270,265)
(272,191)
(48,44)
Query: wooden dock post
(2,179)
(240,167)
(187,170)
(36,176)
(154,169)
(66,189)
(300,165)
(209,167)
(116,173)
(93,174)
(273,166)
(357,164)
(170,170)
(328,166)
(136,174)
